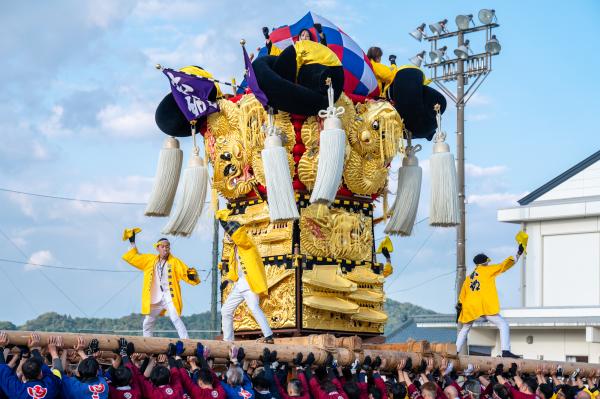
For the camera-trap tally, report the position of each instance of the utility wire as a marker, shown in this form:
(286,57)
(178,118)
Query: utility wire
(69,198)
(7,190)
(422,283)
(81,269)
(44,274)
(422,220)
(116,294)
(397,274)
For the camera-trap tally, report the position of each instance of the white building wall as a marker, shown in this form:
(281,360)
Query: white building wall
(562,265)
(584,184)
(547,344)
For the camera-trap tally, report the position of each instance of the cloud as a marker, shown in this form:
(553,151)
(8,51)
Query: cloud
(479,99)
(495,200)
(135,121)
(43,257)
(477,117)
(473,170)
(24,203)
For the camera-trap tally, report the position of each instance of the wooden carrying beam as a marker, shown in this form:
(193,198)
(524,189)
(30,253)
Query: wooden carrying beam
(345,350)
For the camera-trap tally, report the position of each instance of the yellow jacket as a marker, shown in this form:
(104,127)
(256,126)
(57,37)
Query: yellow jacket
(385,75)
(177,271)
(478,295)
(252,263)
(309,52)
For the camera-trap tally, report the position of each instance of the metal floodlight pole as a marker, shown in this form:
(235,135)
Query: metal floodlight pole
(479,66)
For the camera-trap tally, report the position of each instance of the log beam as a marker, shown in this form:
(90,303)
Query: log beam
(320,346)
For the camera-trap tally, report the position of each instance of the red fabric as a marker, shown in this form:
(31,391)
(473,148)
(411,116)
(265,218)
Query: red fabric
(305,394)
(318,393)
(170,391)
(216,392)
(380,384)
(413,392)
(516,394)
(134,391)
(298,149)
(298,185)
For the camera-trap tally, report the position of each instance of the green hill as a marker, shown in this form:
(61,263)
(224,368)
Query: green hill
(398,312)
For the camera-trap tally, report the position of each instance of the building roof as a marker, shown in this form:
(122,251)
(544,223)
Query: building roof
(410,330)
(535,194)
(448,321)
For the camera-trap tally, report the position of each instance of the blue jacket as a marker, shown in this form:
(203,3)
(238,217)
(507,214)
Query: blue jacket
(239,392)
(91,389)
(46,388)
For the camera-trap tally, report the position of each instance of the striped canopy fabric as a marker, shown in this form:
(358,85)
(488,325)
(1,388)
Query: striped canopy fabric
(359,79)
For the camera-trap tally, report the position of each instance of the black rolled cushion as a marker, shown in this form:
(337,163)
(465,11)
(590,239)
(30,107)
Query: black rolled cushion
(415,101)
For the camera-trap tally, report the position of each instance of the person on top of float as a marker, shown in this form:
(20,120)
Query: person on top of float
(305,34)
(246,271)
(161,293)
(479,299)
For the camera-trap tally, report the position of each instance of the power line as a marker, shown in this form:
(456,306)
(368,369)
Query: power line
(423,282)
(69,198)
(116,294)
(44,274)
(422,220)
(397,274)
(7,190)
(81,269)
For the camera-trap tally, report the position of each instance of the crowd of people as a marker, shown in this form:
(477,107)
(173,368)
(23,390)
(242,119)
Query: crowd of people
(53,371)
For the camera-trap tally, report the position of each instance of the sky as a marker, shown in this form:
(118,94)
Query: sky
(77,103)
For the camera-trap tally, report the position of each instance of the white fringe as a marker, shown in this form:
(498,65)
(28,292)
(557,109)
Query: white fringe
(166,179)
(404,210)
(191,203)
(331,165)
(280,192)
(443,207)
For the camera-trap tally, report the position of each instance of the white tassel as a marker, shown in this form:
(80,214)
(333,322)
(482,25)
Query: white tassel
(166,179)
(404,210)
(190,205)
(332,154)
(443,207)
(280,192)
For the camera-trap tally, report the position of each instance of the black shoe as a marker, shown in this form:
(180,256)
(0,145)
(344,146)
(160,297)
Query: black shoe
(510,354)
(266,340)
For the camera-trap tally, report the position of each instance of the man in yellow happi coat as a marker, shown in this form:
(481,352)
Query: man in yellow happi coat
(479,299)
(161,293)
(246,272)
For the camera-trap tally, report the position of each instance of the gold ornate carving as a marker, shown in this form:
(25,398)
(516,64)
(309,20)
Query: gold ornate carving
(279,306)
(271,239)
(338,234)
(374,136)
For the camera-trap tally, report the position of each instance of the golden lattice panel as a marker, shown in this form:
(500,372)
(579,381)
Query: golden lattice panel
(279,306)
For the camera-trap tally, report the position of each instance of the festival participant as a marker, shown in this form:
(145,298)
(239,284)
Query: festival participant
(305,34)
(207,386)
(246,271)
(161,382)
(38,379)
(161,292)
(124,375)
(479,298)
(383,73)
(238,384)
(88,384)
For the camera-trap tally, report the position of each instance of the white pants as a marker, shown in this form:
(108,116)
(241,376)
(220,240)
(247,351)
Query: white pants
(155,310)
(234,299)
(498,321)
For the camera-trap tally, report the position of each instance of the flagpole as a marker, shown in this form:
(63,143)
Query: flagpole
(161,68)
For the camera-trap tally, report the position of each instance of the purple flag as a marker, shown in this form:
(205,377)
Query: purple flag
(191,94)
(252,82)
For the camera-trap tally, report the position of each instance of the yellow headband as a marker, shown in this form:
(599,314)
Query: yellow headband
(156,244)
